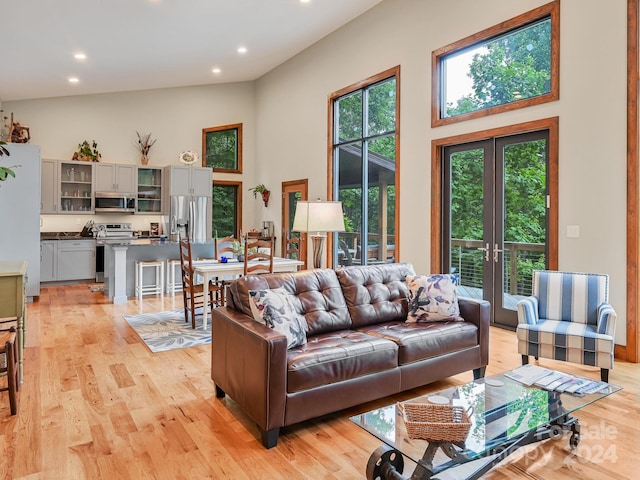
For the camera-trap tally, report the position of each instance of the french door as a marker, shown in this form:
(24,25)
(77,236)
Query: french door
(495,218)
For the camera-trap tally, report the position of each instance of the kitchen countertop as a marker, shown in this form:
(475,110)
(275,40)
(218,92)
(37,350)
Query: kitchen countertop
(62,236)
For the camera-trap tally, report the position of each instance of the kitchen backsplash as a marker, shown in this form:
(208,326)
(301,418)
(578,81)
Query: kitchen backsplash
(74,223)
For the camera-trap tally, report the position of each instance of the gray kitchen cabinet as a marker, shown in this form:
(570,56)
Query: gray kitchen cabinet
(149,190)
(189,181)
(113,177)
(48,260)
(49,187)
(76,260)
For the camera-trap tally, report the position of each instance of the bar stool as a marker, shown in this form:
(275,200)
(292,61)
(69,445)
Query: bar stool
(9,367)
(173,285)
(158,286)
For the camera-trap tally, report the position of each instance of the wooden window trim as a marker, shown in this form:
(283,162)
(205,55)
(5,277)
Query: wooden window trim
(437,146)
(391,72)
(238,185)
(551,10)
(631,351)
(233,126)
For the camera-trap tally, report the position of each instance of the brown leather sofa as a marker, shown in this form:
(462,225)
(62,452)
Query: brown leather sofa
(359,347)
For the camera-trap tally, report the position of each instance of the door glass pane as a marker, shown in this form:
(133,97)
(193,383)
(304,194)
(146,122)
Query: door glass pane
(525,180)
(349,168)
(467,213)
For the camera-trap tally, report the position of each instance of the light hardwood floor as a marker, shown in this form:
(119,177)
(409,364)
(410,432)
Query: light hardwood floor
(97,404)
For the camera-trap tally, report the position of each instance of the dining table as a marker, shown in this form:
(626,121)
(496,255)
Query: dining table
(210,269)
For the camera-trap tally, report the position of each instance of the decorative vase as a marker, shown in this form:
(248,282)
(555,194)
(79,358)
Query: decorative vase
(265,197)
(144,159)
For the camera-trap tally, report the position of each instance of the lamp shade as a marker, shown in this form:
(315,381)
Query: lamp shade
(318,216)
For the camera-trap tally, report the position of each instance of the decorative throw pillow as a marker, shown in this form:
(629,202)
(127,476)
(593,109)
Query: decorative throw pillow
(433,298)
(274,309)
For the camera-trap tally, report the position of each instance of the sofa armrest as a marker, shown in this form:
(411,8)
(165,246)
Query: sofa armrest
(528,311)
(249,362)
(478,312)
(607,320)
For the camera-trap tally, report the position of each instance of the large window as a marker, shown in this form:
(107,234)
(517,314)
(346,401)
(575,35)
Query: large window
(511,65)
(222,148)
(364,169)
(227,208)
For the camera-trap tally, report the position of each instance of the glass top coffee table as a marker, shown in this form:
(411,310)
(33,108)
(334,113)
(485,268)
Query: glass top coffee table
(500,416)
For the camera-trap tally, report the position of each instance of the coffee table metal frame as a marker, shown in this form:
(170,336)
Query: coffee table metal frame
(387,462)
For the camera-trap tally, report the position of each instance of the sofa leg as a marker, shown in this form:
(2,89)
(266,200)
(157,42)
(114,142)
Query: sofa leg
(604,374)
(219,392)
(270,437)
(525,359)
(478,373)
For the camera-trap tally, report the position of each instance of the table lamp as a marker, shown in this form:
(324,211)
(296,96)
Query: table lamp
(318,217)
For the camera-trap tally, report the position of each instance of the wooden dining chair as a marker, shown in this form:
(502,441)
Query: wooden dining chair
(196,295)
(222,247)
(9,361)
(256,260)
(293,248)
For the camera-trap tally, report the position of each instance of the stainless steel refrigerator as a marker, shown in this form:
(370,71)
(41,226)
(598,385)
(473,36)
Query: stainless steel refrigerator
(190,216)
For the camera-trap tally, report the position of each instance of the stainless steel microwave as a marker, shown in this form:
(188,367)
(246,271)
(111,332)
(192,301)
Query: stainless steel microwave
(114,202)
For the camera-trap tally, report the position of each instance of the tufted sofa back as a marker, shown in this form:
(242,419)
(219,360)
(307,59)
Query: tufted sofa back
(375,293)
(317,296)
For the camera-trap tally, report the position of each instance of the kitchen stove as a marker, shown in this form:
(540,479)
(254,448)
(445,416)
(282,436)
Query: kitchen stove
(104,232)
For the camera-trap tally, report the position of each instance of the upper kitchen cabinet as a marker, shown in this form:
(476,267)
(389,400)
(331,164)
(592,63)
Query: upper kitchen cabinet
(50,187)
(149,192)
(190,181)
(112,177)
(74,182)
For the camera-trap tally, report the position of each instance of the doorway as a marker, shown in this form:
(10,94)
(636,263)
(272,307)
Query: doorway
(495,218)
(292,192)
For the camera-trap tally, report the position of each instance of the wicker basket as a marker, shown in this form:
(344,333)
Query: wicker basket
(435,423)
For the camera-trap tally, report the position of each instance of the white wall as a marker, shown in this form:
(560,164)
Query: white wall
(285,119)
(292,117)
(175,116)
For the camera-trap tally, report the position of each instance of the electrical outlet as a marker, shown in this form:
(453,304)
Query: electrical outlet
(78,222)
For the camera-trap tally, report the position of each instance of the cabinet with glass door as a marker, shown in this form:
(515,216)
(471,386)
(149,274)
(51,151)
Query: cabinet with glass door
(76,186)
(149,193)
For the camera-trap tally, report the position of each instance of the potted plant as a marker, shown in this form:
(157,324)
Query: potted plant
(87,153)
(263,191)
(144,145)
(6,172)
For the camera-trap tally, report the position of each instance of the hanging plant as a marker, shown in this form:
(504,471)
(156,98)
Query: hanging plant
(263,191)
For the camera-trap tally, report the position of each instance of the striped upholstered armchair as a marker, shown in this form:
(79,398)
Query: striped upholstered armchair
(568,318)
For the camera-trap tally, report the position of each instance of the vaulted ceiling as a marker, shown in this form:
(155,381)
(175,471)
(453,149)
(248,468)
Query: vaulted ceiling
(145,44)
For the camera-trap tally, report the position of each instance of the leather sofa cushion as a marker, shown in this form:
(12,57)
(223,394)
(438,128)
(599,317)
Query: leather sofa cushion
(338,356)
(419,341)
(316,296)
(375,293)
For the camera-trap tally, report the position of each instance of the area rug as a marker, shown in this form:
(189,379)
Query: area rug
(165,331)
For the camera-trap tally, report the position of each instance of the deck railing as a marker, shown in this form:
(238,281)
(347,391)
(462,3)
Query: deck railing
(520,259)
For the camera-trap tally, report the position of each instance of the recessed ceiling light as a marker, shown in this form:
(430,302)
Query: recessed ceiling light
(216,70)
(305,1)
(242,49)
(80,56)
(74,79)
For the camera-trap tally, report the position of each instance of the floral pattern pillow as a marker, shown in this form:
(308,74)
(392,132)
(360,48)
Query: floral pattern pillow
(274,309)
(433,298)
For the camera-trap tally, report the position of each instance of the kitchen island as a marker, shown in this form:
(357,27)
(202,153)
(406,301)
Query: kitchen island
(120,257)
